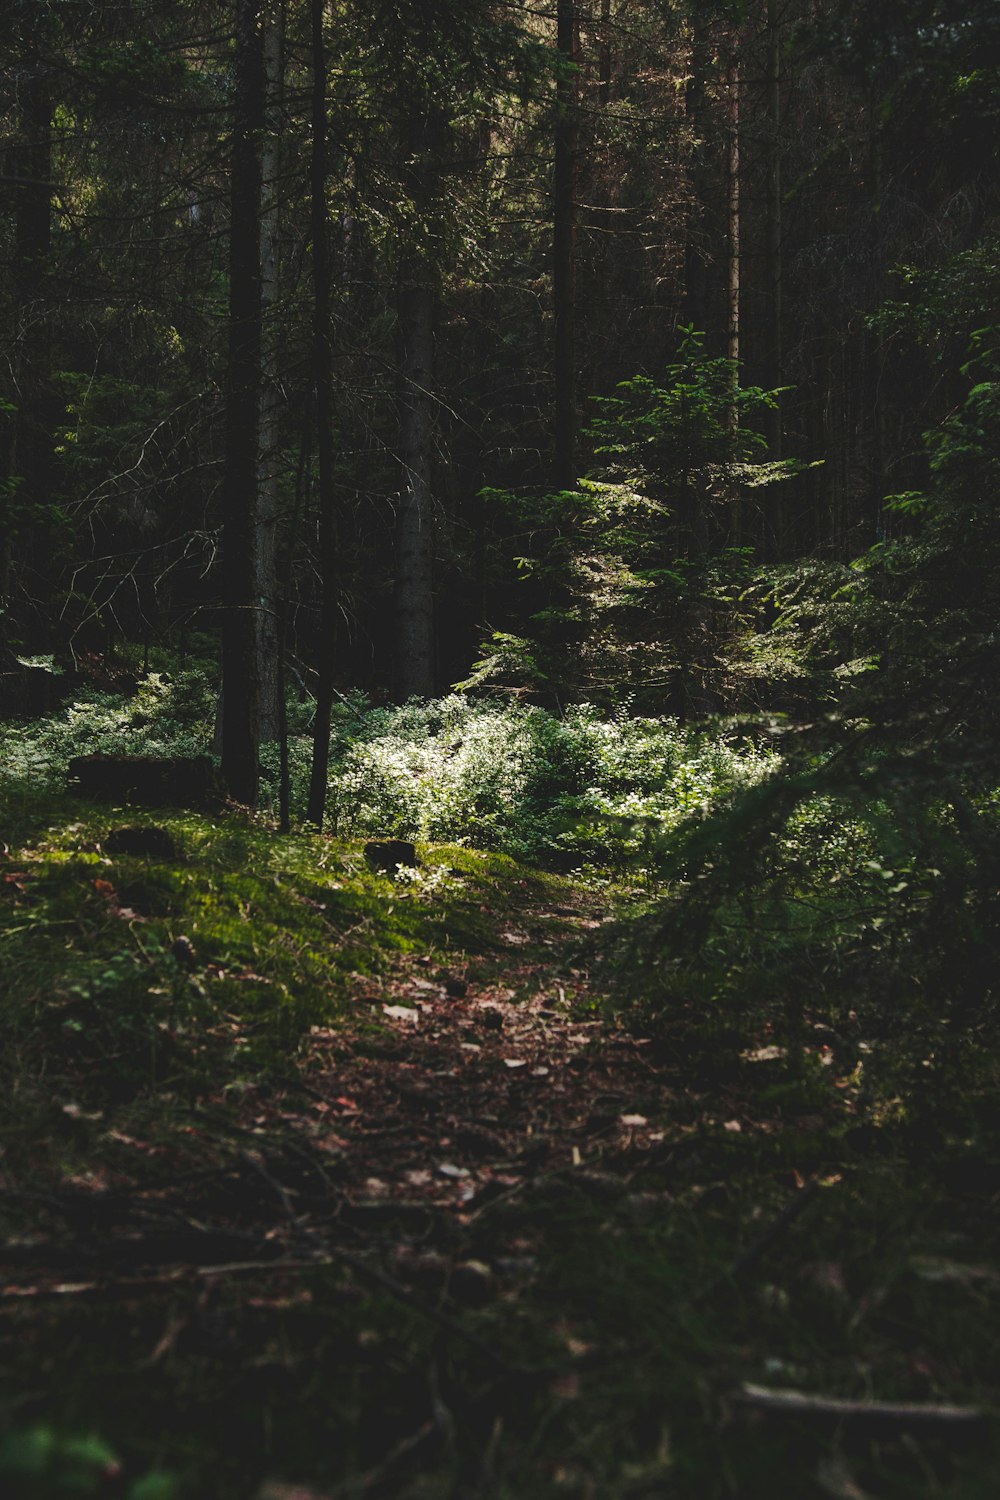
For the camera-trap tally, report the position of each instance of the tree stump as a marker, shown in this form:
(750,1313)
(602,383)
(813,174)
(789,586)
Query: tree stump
(147,780)
(388,854)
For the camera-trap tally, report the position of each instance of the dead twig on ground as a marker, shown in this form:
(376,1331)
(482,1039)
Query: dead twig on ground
(874,1417)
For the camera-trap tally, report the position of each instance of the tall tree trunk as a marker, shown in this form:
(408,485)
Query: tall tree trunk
(696,299)
(27,427)
(322,354)
(733,267)
(270,395)
(415,528)
(564,249)
(694,696)
(876,339)
(284,614)
(775,268)
(239,632)
(604,87)
(774,276)
(733,227)
(415,521)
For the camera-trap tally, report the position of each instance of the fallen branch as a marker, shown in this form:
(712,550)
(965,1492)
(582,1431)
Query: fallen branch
(358,1483)
(193,1250)
(372,1274)
(387,1283)
(123,1285)
(872,1416)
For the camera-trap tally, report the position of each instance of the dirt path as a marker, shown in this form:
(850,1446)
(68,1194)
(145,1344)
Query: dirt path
(402,1267)
(479,1241)
(482,1081)
(439,1095)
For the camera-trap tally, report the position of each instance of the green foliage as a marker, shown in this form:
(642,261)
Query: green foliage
(638,568)
(934,579)
(41,1463)
(108,421)
(941,306)
(689,429)
(847,870)
(578,789)
(802,632)
(619,1262)
(861,883)
(416,85)
(125,977)
(134,72)
(172,713)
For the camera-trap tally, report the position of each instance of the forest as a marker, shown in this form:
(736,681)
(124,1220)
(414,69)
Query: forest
(499,792)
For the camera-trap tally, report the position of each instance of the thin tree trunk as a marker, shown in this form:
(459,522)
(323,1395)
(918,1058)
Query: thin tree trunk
(284,611)
(27,428)
(696,696)
(696,298)
(415,528)
(270,396)
(733,291)
(415,522)
(239,630)
(774,275)
(775,268)
(876,341)
(323,387)
(604,88)
(564,251)
(733,229)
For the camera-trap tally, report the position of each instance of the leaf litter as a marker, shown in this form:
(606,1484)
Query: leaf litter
(477,1153)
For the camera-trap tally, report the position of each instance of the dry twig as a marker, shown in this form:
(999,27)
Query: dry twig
(882,1417)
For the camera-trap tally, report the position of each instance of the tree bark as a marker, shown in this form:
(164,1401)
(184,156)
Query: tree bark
(415,526)
(322,354)
(284,613)
(239,630)
(775,268)
(604,87)
(27,428)
(733,269)
(270,395)
(733,228)
(696,299)
(774,538)
(415,521)
(564,250)
(876,351)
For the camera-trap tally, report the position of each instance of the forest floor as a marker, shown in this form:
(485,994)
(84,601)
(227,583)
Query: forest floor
(474,1234)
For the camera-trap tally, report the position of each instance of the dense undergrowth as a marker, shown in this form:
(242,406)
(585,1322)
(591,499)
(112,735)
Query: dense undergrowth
(582,788)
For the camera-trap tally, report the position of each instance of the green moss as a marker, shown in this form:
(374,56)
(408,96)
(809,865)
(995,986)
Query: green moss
(148,970)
